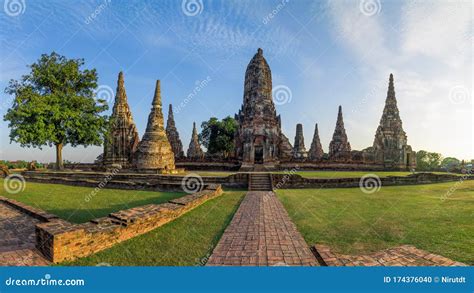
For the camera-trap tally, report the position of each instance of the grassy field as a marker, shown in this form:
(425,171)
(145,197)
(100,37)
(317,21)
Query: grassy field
(349,174)
(186,241)
(70,202)
(353,222)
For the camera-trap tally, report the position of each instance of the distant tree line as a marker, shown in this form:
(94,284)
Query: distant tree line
(431,161)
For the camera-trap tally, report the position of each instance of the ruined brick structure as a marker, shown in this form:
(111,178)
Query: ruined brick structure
(122,139)
(194,150)
(299,150)
(173,135)
(390,144)
(154,150)
(339,148)
(259,139)
(316,152)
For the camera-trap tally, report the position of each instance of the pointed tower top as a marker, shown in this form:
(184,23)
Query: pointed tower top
(120,95)
(120,77)
(260,51)
(194,129)
(157,97)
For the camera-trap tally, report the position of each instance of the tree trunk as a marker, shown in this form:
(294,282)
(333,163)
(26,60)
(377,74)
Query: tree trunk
(59,156)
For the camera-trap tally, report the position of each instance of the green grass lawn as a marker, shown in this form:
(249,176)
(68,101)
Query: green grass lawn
(349,174)
(186,241)
(69,202)
(353,222)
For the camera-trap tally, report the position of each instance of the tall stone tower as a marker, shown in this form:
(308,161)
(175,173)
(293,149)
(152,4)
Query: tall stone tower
(122,137)
(173,135)
(154,151)
(259,139)
(390,143)
(194,150)
(299,150)
(339,148)
(316,152)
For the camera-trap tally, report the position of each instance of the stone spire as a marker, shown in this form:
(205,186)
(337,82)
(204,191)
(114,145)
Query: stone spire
(316,151)
(173,135)
(259,138)
(154,151)
(122,137)
(339,148)
(299,150)
(194,150)
(390,143)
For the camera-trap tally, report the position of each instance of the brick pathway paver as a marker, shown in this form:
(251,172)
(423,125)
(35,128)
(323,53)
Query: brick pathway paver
(405,255)
(261,234)
(17,241)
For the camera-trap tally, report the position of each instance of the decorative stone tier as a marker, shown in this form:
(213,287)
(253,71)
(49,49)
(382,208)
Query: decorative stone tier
(59,240)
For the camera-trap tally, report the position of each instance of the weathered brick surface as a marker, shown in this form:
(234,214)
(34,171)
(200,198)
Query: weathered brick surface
(59,240)
(17,238)
(261,234)
(405,255)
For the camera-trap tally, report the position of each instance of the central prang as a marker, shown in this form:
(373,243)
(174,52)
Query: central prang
(259,139)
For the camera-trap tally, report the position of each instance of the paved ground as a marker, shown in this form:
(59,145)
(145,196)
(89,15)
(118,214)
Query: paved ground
(17,241)
(405,255)
(261,234)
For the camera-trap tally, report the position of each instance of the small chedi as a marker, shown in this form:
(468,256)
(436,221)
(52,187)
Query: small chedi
(122,137)
(173,135)
(154,150)
(195,152)
(259,139)
(390,144)
(316,152)
(339,148)
(299,150)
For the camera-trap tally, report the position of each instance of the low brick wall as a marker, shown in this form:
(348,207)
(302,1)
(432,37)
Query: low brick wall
(59,240)
(297,181)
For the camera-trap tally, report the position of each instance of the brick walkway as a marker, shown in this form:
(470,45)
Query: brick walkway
(17,244)
(405,255)
(261,234)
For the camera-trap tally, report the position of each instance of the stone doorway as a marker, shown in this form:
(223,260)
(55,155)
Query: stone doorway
(258,156)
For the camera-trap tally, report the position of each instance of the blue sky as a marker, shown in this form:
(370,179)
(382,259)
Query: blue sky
(326,53)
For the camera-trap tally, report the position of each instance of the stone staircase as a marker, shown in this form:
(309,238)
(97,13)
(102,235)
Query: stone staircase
(260,182)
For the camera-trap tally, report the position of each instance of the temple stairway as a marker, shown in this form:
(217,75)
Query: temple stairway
(260,182)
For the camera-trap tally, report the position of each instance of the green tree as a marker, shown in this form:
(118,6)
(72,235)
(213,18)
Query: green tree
(54,105)
(428,161)
(450,163)
(218,136)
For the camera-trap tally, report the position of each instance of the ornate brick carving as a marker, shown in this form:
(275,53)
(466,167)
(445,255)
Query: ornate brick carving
(173,135)
(259,138)
(194,150)
(316,152)
(339,148)
(299,150)
(390,144)
(122,138)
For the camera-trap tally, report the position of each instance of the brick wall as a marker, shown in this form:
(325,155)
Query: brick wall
(60,240)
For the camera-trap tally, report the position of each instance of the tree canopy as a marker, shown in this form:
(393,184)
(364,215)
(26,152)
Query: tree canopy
(55,104)
(428,161)
(218,136)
